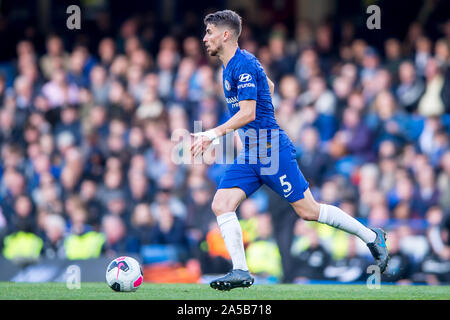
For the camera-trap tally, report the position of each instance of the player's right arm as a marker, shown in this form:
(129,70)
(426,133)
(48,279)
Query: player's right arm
(245,115)
(247,93)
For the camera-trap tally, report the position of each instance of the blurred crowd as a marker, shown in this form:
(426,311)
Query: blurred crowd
(86,151)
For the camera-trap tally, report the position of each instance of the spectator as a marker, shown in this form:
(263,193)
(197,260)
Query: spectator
(99,85)
(355,136)
(169,242)
(48,194)
(142,230)
(199,213)
(304,34)
(427,139)
(428,193)
(431,103)
(370,62)
(321,103)
(422,55)
(400,264)
(379,216)
(290,119)
(55,57)
(70,122)
(165,196)
(442,52)
(136,140)
(249,212)
(9,132)
(342,87)
(116,205)
(98,117)
(263,256)
(76,73)
(324,46)
(170,229)
(393,50)
(116,240)
(443,181)
(386,121)
(192,50)
(281,63)
(88,195)
(59,92)
(310,258)
(369,180)
(112,185)
(14,186)
(22,247)
(24,92)
(166,63)
(23,217)
(54,227)
(78,218)
(437,232)
(313,162)
(214,257)
(435,265)
(351,268)
(319,96)
(106,51)
(411,87)
(307,66)
(70,180)
(139,188)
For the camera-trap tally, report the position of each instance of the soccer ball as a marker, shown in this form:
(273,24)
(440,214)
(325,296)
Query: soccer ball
(124,274)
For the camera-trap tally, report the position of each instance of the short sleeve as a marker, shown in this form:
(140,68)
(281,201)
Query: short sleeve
(246,82)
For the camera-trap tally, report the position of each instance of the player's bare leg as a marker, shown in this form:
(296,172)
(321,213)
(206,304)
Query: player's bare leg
(224,206)
(309,209)
(226,200)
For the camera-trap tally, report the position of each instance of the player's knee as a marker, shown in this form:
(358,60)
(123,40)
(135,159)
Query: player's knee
(308,213)
(216,207)
(220,206)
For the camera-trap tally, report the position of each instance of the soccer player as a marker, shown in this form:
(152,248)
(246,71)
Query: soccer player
(248,93)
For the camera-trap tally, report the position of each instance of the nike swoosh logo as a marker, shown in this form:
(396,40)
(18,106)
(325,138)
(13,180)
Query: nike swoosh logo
(287,195)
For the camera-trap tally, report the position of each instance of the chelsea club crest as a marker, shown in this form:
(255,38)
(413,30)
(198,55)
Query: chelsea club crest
(227,85)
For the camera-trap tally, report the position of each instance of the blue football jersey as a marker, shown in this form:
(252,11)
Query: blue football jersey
(244,79)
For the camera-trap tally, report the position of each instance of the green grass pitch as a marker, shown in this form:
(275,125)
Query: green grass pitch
(149,291)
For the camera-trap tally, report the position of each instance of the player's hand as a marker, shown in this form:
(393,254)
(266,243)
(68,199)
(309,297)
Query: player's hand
(202,142)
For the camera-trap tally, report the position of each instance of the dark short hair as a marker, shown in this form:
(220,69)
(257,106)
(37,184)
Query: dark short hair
(227,18)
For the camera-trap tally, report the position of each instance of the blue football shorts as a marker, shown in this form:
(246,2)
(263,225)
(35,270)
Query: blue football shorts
(282,175)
